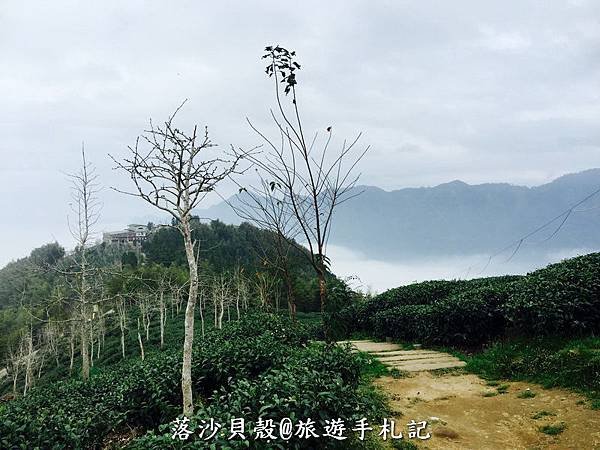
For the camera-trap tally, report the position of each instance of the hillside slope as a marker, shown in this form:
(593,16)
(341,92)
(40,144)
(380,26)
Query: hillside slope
(457,218)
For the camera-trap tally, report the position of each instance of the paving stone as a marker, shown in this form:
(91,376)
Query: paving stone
(407,360)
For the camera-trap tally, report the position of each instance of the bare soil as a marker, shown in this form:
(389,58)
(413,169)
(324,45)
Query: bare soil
(460,416)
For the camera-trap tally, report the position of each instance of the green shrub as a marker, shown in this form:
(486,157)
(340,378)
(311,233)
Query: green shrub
(526,394)
(319,382)
(562,299)
(542,414)
(77,414)
(554,429)
(260,360)
(363,314)
(407,323)
(551,362)
(460,312)
(470,318)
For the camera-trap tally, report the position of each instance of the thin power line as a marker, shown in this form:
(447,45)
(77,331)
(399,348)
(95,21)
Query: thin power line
(517,244)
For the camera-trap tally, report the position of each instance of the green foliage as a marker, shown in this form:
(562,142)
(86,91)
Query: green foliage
(371,366)
(129,259)
(442,312)
(339,295)
(75,414)
(319,382)
(542,414)
(554,429)
(551,362)
(221,246)
(526,394)
(561,299)
(405,323)
(404,445)
(29,278)
(262,360)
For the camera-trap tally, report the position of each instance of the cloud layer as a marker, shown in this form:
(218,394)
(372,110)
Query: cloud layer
(479,91)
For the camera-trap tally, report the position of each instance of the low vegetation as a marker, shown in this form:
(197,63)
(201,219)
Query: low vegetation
(562,299)
(262,364)
(553,429)
(540,327)
(551,362)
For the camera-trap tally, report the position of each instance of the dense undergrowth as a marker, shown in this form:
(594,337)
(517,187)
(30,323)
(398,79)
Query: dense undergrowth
(262,366)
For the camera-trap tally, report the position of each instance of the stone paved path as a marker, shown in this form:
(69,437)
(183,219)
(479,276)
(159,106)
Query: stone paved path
(393,356)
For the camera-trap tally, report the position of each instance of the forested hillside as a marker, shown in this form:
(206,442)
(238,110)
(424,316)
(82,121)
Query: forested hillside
(37,286)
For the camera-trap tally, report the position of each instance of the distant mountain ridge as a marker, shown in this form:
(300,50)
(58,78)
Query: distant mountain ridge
(457,218)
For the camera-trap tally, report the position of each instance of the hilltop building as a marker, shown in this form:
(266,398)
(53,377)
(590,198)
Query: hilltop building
(133,235)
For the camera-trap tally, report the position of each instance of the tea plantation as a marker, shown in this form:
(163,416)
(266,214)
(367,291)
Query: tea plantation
(542,327)
(261,365)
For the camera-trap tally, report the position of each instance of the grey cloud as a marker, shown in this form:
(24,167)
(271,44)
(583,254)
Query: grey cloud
(486,91)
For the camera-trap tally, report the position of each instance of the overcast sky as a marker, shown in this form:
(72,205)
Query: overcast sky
(470,90)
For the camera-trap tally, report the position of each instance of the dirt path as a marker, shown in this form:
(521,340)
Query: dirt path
(464,412)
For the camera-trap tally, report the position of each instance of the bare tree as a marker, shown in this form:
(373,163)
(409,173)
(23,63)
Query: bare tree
(139,336)
(170,171)
(145,308)
(311,181)
(265,286)
(221,294)
(203,293)
(51,335)
(14,361)
(266,207)
(72,336)
(122,315)
(241,289)
(29,361)
(85,207)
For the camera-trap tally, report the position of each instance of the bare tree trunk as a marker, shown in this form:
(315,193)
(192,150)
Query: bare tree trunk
(290,294)
(122,343)
(85,357)
(15,378)
(101,327)
(162,318)
(72,345)
(139,335)
(29,364)
(98,347)
(91,345)
(323,298)
(221,310)
(216,319)
(41,366)
(202,303)
(122,312)
(186,369)
(172,177)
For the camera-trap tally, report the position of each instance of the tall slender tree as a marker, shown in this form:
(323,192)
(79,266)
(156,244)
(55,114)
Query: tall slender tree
(311,179)
(174,171)
(86,209)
